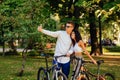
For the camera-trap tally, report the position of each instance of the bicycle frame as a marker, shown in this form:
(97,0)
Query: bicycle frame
(99,62)
(85,71)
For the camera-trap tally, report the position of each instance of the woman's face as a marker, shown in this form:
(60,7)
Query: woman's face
(73,35)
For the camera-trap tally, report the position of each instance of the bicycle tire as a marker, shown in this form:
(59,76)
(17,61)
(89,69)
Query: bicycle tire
(60,76)
(42,74)
(109,76)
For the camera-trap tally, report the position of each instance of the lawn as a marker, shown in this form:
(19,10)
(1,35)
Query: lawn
(11,65)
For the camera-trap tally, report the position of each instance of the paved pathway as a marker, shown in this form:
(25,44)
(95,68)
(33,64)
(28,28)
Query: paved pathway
(7,49)
(112,53)
(105,53)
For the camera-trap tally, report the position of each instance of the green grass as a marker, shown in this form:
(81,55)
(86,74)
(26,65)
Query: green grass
(109,50)
(112,48)
(10,67)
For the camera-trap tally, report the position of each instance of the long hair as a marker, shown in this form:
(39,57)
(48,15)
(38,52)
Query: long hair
(77,37)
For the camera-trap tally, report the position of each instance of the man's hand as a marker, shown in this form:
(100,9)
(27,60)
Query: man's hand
(40,28)
(68,55)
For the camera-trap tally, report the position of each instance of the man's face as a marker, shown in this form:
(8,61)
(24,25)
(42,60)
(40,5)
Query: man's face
(69,28)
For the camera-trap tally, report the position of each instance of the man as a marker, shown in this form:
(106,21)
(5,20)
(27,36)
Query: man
(63,45)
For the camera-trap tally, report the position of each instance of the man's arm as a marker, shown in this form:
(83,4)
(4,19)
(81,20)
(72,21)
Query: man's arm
(47,32)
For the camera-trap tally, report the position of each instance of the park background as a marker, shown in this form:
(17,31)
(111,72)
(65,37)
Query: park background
(21,44)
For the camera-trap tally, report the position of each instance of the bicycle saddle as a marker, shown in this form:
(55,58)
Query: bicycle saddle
(100,61)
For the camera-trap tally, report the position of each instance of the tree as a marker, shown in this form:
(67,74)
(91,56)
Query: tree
(19,21)
(94,7)
(33,13)
(21,18)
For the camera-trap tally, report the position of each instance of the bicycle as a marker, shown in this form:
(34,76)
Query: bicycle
(50,73)
(85,74)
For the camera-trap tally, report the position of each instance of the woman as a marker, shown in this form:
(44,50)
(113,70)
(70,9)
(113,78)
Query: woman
(78,48)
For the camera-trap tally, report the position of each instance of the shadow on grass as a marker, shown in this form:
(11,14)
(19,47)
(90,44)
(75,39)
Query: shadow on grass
(25,74)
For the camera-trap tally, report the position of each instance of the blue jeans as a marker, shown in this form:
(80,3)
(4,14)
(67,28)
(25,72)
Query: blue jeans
(65,67)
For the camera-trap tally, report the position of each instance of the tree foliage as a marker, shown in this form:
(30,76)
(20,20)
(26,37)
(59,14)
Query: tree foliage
(20,18)
(80,11)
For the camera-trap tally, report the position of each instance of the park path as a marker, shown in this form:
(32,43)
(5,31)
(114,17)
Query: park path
(7,49)
(105,55)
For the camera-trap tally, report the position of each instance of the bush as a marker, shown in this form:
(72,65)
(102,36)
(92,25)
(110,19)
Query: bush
(10,52)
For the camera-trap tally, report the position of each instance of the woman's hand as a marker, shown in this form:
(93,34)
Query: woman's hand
(94,62)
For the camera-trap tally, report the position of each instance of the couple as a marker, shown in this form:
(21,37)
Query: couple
(68,41)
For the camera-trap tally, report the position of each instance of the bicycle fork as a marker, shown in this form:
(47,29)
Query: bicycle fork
(56,74)
(98,73)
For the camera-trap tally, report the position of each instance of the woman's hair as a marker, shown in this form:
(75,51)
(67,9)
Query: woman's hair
(77,37)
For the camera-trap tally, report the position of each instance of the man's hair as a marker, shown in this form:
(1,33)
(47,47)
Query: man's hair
(71,22)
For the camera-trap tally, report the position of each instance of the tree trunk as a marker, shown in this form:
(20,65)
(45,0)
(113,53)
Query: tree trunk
(24,56)
(3,42)
(93,35)
(12,46)
(100,35)
(12,43)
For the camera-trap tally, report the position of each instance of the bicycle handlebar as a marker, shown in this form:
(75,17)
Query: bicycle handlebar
(98,62)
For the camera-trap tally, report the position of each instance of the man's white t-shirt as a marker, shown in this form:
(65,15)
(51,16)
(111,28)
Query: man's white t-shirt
(63,44)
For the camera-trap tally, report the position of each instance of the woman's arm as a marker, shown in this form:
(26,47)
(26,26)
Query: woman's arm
(81,44)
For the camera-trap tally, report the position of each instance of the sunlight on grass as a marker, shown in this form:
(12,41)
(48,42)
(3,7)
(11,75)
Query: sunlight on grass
(11,65)
(108,50)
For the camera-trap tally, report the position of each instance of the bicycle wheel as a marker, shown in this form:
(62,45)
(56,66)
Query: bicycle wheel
(109,76)
(42,74)
(60,76)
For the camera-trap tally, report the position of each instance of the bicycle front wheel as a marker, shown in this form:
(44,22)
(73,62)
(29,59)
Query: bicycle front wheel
(60,76)
(42,74)
(109,76)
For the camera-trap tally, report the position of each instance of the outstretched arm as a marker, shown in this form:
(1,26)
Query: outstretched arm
(81,44)
(47,32)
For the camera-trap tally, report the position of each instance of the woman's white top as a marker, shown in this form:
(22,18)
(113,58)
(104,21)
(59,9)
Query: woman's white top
(77,48)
